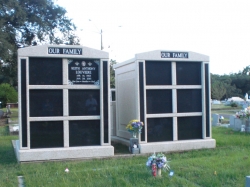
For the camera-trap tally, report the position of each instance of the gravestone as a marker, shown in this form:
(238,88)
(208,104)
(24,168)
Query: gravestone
(215,118)
(14,129)
(170,92)
(247,181)
(64,103)
(236,123)
(1,113)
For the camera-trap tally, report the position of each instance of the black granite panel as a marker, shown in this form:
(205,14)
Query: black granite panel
(207,95)
(84,133)
(113,96)
(160,129)
(46,103)
(159,101)
(105,102)
(158,73)
(23,102)
(83,71)
(189,128)
(84,102)
(46,134)
(188,73)
(141,90)
(45,71)
(189,100)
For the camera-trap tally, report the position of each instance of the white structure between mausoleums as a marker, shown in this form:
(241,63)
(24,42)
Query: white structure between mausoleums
(170,92)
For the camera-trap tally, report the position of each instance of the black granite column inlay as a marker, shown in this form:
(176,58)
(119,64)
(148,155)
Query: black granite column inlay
(23,103)
(141,90)
(207,95)
(105,102)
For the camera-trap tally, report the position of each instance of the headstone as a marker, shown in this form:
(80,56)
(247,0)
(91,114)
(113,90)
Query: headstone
(247,126)
(246,97)
(239,124)
(242,128)
(14,129)
(247,181)
(215,121)
(1,113)
(8,109)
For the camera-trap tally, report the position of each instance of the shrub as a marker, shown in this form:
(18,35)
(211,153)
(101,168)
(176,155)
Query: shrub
(8,94)
(233,104)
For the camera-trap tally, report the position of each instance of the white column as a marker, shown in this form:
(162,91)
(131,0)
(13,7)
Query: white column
(174,102)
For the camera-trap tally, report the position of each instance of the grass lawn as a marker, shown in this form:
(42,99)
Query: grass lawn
(226,165)
(223,109)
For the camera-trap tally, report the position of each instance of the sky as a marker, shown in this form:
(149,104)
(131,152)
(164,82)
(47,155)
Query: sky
(219,29)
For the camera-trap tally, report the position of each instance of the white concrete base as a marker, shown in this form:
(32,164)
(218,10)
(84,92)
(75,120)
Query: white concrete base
(171,146)
(175,146)
(62,153)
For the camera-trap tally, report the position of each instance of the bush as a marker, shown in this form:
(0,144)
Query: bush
(8,94)
(234,104)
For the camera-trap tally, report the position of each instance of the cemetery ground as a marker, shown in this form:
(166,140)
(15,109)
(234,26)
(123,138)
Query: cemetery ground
(226,165)
(225,111)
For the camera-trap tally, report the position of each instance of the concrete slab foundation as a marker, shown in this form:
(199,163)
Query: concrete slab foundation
(174,146)
(177,146)
(62,153)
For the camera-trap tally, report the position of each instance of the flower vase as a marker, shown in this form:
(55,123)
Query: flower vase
(159,172)
(134,134)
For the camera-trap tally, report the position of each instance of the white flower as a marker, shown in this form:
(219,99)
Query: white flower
(66,170)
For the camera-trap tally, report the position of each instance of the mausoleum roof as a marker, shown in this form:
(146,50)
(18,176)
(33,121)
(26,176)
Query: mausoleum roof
(51,51)
(167,55)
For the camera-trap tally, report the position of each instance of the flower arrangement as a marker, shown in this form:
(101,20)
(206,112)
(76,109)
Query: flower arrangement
(160,160)
(135,126)
(243,114)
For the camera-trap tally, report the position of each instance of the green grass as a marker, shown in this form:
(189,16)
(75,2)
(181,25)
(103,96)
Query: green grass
(224,107)
(230,160)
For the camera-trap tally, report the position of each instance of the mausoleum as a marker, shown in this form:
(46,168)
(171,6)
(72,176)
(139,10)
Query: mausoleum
(63,103)
(170,92)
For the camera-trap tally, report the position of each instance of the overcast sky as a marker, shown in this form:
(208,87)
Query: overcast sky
(217,28)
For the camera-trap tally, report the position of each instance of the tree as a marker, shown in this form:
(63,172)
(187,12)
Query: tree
(218,90)
(246,71)
(243,83)
(112,73)
(223,84)
(30,22)
(8,94)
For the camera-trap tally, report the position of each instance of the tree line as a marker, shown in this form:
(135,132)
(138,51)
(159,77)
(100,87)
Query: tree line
(232,85)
